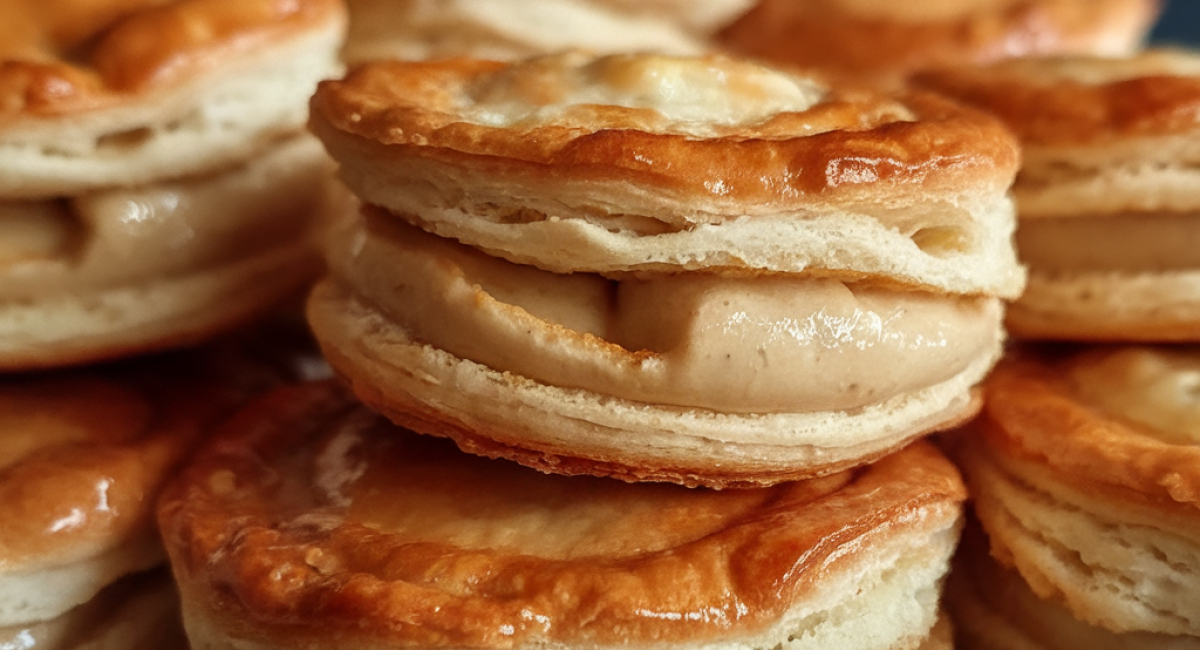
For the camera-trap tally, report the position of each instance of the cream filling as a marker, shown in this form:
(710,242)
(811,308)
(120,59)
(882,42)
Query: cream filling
(1158,388)
(768,344)
(692,95)
(1134,243)
(124,235)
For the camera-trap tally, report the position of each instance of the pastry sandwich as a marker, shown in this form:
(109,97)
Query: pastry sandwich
(1107,201)
(695,270)
(156,185)
(311,522)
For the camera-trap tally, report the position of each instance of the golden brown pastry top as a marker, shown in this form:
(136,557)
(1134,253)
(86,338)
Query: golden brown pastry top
(878,37)
(1119,422)
(84,452)
(1082,100)
(713,127)
(62,56)
(309,515)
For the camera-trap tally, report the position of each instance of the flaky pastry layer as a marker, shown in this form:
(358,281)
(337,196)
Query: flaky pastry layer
(873,39)
(312,522)
(102,94)
(994,609)
(1109,306)
(1083,471)
(662,162)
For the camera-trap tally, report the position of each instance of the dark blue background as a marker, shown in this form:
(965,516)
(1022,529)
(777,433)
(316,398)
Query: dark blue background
(1180,23)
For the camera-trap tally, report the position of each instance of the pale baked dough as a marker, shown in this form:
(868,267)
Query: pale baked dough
(993,609)
(129,270)
(153,91)
(1106,195)
(885,39)
(311,522)
(652,163)
(1083,471)
(509,29)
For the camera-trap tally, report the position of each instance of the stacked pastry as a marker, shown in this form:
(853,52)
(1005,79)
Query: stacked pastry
(678,270)
(1080,468)
(156,186)
(880,40)
(512,29)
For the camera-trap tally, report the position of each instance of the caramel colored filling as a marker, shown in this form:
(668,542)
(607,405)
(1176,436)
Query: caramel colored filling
(130,234)
(732,344)
(1132,243)
(1156,388)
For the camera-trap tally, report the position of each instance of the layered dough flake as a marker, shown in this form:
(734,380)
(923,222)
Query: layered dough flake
(1083,470)
(651,163)
(313,522)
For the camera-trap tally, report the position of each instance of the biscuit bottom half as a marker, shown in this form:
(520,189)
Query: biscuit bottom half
(694,378)
(311,522)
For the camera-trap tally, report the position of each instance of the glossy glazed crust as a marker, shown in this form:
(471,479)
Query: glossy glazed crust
(269,565)
(826,34)
(60,58)
(407,111)
(87,450)
(1083,101)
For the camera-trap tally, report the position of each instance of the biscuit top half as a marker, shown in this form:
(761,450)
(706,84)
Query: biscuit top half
(63,56)
(712,126)
(1116,424)
(1068,101)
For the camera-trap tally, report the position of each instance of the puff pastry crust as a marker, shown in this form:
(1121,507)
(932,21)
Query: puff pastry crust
(310,521)
(1083,469)
(626,163)
(99,93)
